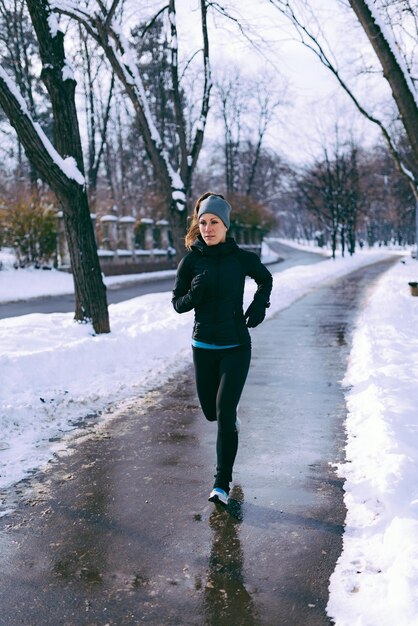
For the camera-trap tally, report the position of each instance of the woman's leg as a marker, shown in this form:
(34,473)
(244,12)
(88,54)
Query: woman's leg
(233,369)
(206,369)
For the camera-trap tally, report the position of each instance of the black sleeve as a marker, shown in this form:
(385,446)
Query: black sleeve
(258,272)
(182,297)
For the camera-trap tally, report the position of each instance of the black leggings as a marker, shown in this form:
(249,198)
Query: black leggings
(220,378)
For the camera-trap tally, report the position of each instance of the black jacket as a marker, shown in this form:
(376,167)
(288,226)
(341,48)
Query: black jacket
(219,316)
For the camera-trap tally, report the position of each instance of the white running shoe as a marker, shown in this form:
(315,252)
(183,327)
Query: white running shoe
(218,495)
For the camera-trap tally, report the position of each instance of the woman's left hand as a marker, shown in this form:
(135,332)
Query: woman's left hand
(256,313)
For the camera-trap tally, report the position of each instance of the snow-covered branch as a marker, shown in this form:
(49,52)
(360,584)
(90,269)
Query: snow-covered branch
(173,162)
(200,129)
(177,100)
(119,53)
(48,161)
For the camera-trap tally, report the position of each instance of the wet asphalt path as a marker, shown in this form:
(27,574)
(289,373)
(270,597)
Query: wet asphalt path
(120,532)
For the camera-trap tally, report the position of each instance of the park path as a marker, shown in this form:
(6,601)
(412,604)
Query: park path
(119,532)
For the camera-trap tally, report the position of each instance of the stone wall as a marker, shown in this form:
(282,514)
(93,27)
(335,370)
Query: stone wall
(119,252)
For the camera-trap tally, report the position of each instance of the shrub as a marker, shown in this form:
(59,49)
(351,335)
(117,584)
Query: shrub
(31,230)
(247,210)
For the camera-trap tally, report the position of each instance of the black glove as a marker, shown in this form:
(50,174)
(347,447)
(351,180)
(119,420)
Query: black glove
(198,286)
(256,312)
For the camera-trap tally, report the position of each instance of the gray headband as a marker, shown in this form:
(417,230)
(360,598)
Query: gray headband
(216,205)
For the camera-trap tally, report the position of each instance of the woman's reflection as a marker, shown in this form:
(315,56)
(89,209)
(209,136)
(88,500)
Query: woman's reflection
(226,600)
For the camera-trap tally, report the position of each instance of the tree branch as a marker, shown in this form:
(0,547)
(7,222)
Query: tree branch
(51,166)
(311,42)
(207,86)
(177,101)
(152,21)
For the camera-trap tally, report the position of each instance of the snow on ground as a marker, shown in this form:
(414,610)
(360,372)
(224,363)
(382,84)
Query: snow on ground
(54,373)
(24,284)
(376,579)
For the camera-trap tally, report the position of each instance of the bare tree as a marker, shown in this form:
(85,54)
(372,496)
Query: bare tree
(247,108)
(330,190)
(266,104)
(388,210)
(395,70)
(61,166)
(232,105)
(100,24)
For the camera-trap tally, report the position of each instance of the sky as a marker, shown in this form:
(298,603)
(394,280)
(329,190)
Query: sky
(313,100)
(50,385)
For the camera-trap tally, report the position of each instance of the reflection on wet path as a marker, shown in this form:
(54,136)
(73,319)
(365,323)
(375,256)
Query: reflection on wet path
(226,599)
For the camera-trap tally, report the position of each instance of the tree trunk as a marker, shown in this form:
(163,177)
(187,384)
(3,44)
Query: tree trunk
(178,226)
(333,243)
(402,89)
(90,292)
(351,241)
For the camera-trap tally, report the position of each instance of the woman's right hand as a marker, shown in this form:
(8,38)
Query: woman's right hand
(198,286)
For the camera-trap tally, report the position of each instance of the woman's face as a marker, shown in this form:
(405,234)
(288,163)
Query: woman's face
(212,229)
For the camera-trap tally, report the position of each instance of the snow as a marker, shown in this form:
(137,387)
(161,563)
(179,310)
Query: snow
(200,126)
(109,218)
(12,87)
(375,582)
(54,28)
(55,374)
(179,195)
(68,165)
(172,17)
(174,44)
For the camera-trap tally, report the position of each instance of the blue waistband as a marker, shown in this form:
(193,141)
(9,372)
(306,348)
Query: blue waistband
(212,346)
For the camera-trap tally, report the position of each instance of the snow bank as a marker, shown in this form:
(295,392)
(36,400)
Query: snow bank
(376,579)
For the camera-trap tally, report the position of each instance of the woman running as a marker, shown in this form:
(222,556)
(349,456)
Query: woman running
(210,279)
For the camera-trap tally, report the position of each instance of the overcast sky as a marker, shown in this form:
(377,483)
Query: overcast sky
(314,101)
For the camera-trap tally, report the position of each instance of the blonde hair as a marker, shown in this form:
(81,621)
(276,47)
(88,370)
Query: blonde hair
(193,230)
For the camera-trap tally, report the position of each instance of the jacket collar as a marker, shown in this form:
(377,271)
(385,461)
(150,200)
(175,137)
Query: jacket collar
(221,249)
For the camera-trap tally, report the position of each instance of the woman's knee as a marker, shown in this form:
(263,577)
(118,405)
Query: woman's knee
(227,421)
